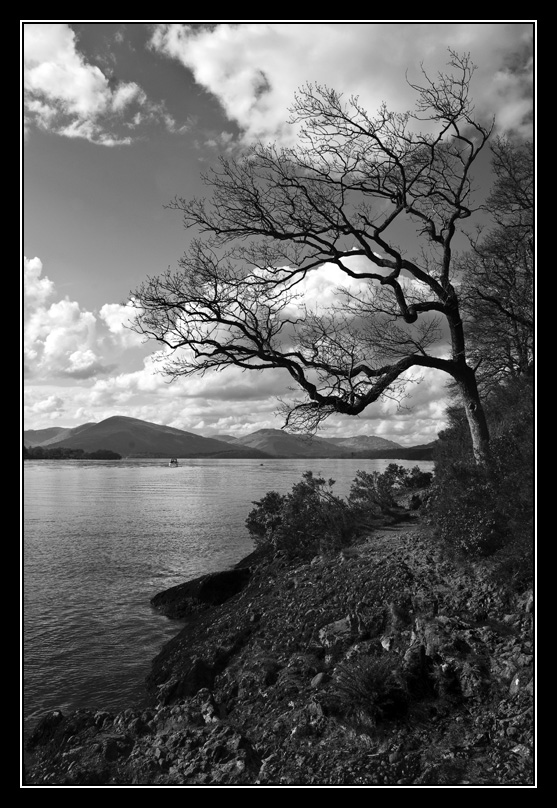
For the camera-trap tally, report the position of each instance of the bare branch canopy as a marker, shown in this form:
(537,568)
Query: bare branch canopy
(354,189)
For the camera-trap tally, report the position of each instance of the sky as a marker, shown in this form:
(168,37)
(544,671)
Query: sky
(120,117)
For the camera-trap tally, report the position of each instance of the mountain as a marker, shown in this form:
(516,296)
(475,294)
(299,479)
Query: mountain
(277,443)
(64,434)
(423,451)
(226,438)
(361,443)
(54,434)
(35,437)
(131,437)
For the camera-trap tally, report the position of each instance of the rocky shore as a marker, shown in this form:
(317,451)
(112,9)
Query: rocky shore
(385,665)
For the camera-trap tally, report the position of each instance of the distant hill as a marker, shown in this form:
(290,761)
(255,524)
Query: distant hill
(226,438)
(131,437)
(65,434)
(35,437)
(361,443)
(278,443)
(55,434)
(423,451)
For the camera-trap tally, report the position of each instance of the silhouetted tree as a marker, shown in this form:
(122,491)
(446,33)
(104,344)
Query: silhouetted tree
(498,272)
(353,189)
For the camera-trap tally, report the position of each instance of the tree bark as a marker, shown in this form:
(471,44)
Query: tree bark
(475,415)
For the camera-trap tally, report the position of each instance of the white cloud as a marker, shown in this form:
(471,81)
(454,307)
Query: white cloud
(89,130)
(68,95)
(55,70)
(118,319)
(50,338)
(85,365)
(254,69)
(78,348)
(61,339)
(125,94)
(50,407)
(37,290)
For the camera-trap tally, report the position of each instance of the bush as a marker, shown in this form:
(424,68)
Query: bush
(418,478)
(307,521)
(484,512)
(375,492)
(466,515)
(266,517)
(373,687)
(311,519)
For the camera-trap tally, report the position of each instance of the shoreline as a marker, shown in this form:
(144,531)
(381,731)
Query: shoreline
(385,664)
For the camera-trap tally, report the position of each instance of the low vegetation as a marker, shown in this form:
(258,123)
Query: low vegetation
(312,520)
(477,512)
(372,689)
(488,512)
(65,453)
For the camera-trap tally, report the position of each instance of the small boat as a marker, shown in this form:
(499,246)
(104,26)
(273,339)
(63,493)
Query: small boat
(173,461)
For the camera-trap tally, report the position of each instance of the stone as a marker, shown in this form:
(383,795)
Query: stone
(199,593)
(330,634)
(519,681)
(45,729)
(319,679)
(116,747)
(198,674)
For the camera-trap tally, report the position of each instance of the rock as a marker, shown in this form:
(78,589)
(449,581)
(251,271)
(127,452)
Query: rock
(103,718)
(238,700)
(116,747)
(335,632)
(319,679)
(200,593)
(197,675)
(45,729)
(520,680)
(527,602)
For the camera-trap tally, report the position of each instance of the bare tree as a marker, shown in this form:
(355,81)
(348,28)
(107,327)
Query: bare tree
(348,193)
(498,272)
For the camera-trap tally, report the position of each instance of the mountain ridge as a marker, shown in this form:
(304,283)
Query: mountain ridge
(133,437)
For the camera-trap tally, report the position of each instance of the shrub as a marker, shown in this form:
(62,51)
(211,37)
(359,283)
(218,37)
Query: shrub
(466,514)
(311,519)
(375,492)
(308,520)
(372,687)
(418,478)
(489,511)
(266,517)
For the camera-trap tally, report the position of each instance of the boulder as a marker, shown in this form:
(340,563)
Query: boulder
(45,729)
(200,593)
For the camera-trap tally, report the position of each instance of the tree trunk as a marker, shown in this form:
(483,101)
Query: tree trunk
(477,423)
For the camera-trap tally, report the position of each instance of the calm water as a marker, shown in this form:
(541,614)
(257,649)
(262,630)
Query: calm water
(101,538)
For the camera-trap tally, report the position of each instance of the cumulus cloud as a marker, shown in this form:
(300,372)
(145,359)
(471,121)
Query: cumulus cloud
(53,329)
(85,365)
(254,69)
(64,342)
(125,94)
(49,407)
(66,94)
(37,289)
(118,319)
